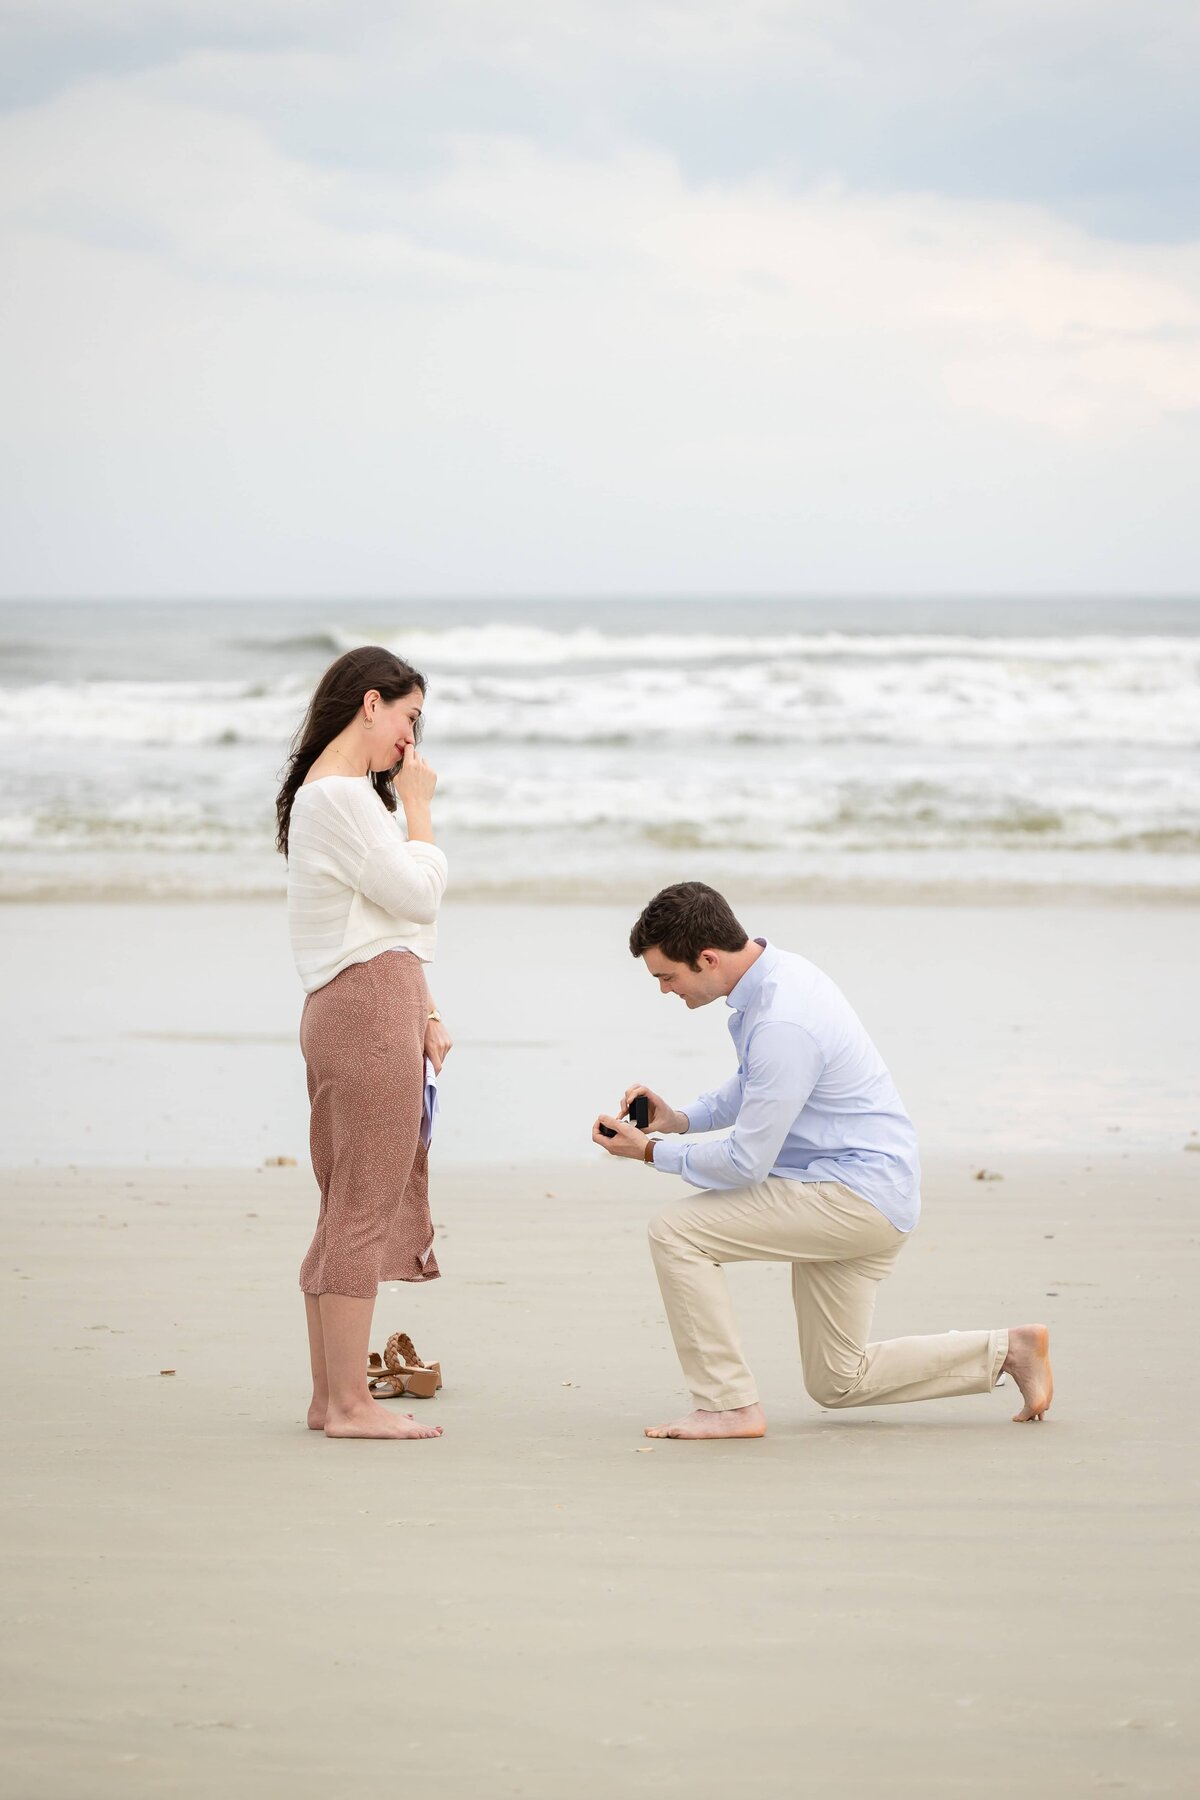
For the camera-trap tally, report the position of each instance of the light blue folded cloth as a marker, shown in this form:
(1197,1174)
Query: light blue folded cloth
(429,1104)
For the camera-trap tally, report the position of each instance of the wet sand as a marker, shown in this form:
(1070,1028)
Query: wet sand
(167,1035)
(205,1598)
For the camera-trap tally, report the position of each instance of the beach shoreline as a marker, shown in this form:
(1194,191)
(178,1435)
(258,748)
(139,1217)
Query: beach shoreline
(168,1035)
(817,891)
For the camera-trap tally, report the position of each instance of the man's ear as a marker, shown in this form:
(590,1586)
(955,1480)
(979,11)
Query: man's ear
(710,959)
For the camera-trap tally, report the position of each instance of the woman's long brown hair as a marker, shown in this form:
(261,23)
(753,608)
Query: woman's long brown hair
(338,696)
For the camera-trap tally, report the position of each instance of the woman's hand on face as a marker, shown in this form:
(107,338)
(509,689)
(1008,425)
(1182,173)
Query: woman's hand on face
(415,780)
(438,1044)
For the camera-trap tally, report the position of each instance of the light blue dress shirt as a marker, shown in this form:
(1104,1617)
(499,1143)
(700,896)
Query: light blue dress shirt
(812,1099)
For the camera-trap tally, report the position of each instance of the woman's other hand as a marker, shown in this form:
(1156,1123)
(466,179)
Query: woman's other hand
(438,1044)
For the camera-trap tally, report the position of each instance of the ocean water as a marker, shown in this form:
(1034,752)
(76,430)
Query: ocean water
(594,750)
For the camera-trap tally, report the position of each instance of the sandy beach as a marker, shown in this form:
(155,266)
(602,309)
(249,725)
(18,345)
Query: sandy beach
(204,1597)
(902,1601)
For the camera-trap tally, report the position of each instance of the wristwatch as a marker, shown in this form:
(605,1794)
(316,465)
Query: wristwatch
(648,1152)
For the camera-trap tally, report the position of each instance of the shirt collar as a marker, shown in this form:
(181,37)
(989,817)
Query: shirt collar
(740,997)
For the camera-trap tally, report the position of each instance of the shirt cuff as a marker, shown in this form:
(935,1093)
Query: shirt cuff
(698,1116)
(668,1156)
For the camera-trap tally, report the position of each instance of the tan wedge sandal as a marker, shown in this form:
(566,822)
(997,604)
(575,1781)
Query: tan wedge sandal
(381,1381)
(421,1379)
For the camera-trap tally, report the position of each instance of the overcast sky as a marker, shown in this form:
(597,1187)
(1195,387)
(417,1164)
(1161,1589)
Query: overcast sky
(464,297)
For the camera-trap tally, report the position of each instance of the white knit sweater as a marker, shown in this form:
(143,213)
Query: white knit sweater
(356,886)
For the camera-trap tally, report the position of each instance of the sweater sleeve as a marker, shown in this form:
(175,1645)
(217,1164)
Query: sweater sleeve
(406,879)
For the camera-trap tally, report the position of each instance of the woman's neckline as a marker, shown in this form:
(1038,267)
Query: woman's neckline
(318,779)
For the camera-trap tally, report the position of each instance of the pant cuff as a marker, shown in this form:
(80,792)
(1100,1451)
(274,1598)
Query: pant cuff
(999,1349)
(726,1402)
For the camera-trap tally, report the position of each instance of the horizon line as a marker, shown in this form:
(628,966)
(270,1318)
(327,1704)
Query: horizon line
(585,597)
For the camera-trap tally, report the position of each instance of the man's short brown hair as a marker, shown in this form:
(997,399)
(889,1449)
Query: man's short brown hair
(685,919)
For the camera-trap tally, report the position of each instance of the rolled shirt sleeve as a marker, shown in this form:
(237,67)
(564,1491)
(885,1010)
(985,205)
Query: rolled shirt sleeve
(782,1065)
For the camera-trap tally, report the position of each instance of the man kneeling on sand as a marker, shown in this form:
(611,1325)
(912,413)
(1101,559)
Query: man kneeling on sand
(820,1171)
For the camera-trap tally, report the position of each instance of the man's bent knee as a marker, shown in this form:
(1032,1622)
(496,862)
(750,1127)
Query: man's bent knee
(662,1234)
(832,1387)
(670,1238)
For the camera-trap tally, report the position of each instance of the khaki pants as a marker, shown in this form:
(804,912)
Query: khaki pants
(840,1249)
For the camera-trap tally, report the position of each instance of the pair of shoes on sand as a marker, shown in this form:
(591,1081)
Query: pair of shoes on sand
(400,1371)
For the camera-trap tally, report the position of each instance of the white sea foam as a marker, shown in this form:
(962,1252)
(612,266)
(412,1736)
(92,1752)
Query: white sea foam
(1112,691)
(774,756)
(527,646)
(914,805)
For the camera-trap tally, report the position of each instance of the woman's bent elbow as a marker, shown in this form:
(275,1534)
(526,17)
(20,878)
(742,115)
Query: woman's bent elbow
(423,908)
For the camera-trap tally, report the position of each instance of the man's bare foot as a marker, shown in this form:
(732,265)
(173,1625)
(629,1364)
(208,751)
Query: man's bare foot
(368,1419)
(736,1422)
(1028,1362)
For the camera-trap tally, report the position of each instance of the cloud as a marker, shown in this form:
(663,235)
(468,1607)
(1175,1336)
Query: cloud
(469,359)
(1016,311)
(1085,107)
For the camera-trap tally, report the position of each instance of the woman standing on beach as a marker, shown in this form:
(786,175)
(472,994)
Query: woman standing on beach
(362,904)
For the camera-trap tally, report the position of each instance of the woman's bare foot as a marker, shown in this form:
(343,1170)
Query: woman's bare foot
(366,1419)
(736,1422)
(316,1414)
(1028,1362)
